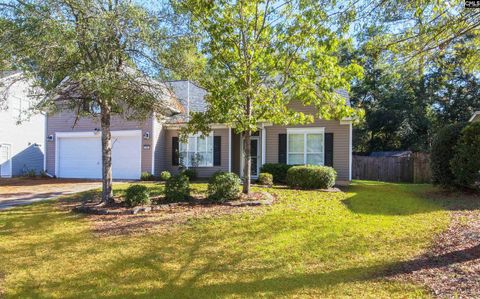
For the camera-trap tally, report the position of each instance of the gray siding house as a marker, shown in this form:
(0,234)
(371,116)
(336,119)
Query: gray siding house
(21,139)
(154,146)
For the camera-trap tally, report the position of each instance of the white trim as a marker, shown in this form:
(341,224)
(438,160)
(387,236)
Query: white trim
(182,125)
(305,132)
(153,139)
(242,157)
(99,134)
(45,142)
(477,113)
(59,135)
(10,145)
(229,149)
(264,144)
(312,130)
(350,153)
(197,135)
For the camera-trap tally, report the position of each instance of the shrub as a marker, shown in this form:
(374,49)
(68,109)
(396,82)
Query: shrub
(146,176)
(165,175)
(223,186)
(30,173)
(265,178)
(278,171)
(442,152)
(177,188)
(191,173)
(311,177)
(465,164)
(137,195)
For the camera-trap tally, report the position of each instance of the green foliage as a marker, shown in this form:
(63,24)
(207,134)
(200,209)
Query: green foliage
(165,175)
(277,170)
(191,173)
(177,188)
(394,223)
(136,195)
(465,164)
(311,177)
(90,53)
(261,57)
(146,176)
(442,153)
(265,178)
(30,173)
(223,186)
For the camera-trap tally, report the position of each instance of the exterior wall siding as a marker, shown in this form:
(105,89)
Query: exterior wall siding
(26,139)
(159,143)
(31,158)
(236,146)
(63,121)
(202,172)
(341,141)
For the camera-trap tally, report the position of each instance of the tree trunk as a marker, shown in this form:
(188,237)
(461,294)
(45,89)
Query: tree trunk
(107,192)
(247,162)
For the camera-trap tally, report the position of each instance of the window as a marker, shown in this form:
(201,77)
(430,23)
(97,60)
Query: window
(198,151)
(305,146)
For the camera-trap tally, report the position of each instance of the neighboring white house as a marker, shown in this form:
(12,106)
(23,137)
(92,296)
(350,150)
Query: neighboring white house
(475,116)
(21,144)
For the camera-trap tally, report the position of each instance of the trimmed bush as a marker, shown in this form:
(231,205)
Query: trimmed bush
(146,176)
(191,173)
(265,178)
(177,188)
(136,195)
(165,175)
(277,170)
(465,164)
(223,186)
(311,177)
(442,153)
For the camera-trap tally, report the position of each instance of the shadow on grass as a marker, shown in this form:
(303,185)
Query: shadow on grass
(194,262)
(379,198)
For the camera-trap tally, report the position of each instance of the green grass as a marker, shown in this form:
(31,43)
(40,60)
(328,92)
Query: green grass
(309,244)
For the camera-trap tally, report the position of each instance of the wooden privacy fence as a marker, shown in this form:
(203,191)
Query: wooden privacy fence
(414,168)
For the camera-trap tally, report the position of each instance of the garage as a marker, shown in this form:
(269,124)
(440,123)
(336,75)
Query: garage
(79,155)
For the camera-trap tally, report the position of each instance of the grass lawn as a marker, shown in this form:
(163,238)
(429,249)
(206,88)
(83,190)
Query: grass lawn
(308,244)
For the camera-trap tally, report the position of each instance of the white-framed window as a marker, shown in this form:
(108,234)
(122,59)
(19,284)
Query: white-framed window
(198,151)
(306,146)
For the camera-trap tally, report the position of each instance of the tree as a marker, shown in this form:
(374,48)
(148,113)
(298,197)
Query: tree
(420,29)
(89,53)
(260,56)
(405,106)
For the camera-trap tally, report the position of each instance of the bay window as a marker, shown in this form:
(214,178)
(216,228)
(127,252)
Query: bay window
(305,146)
(198,151)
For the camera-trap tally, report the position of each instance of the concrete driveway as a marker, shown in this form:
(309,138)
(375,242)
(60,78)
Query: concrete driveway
(23,191)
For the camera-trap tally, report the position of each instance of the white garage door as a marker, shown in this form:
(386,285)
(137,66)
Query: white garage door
(80,156)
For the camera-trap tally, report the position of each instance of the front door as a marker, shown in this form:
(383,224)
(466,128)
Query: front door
(255,158)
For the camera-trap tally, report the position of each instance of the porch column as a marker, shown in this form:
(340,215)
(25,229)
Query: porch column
(229,149)
(264,144)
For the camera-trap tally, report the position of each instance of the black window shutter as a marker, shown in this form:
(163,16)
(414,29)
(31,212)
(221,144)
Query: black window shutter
(175,153)
(282,148)
(217,146)
(329,149)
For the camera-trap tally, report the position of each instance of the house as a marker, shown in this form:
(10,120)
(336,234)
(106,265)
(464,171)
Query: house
(475,116)
(21,143)
(154,145)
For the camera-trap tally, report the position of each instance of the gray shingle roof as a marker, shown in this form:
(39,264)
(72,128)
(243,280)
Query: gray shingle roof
(192,97)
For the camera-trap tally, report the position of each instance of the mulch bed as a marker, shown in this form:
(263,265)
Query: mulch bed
(118,219)
(451,267)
